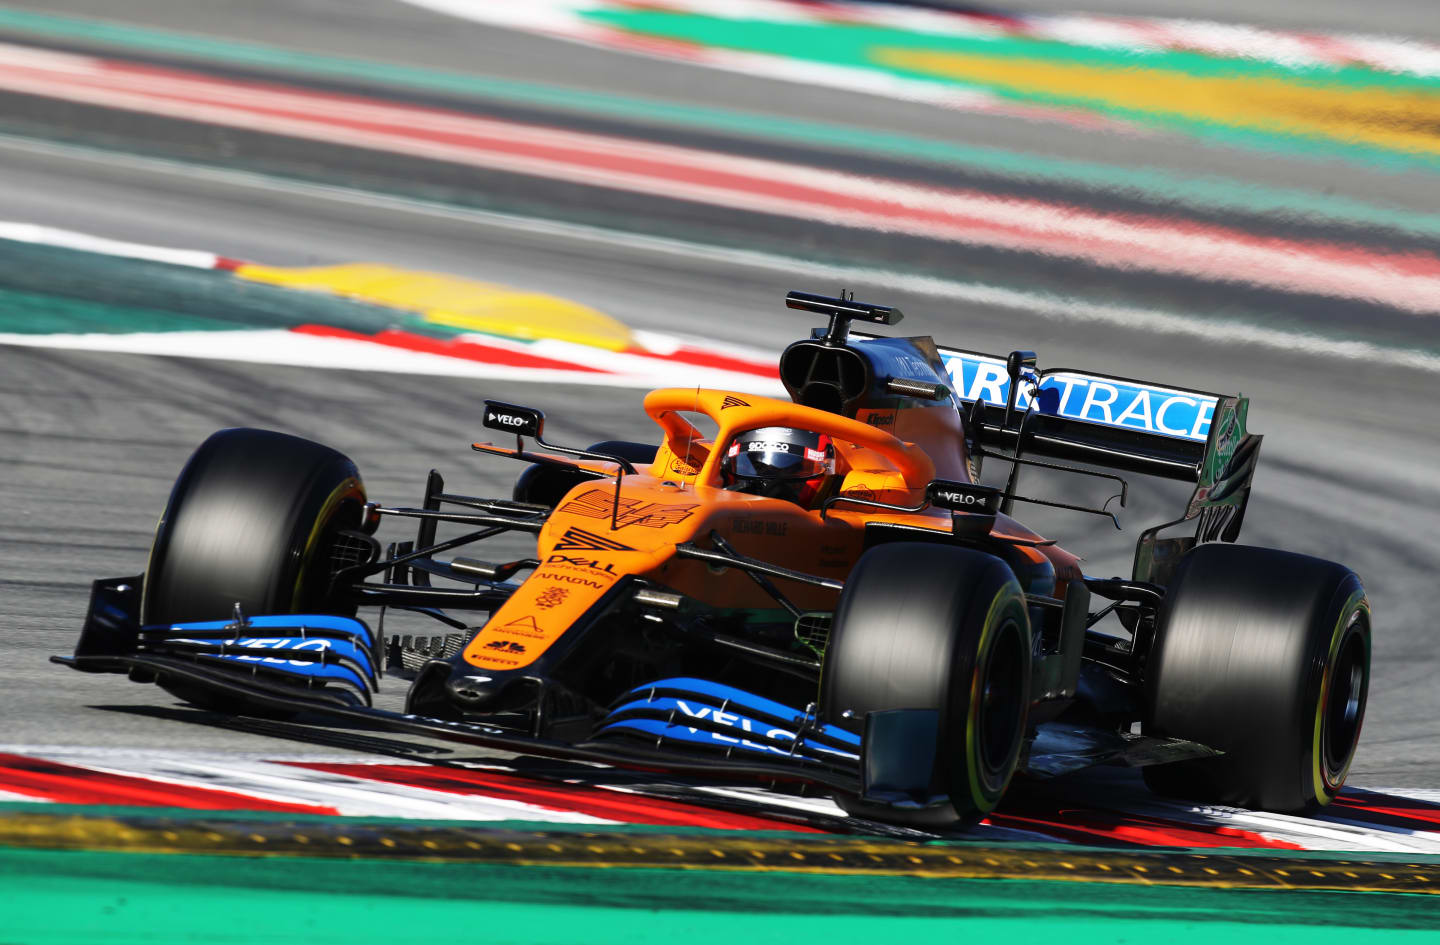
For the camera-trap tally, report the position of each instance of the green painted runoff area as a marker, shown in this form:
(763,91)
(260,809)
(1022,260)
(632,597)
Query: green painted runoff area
(854,46)
(60,898)
(843,43)
(37,314)
(51,290)
(1170,188)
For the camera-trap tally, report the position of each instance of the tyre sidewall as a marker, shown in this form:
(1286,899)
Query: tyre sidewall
(245,523)
(959,608)
(1001,616)
(1244,661)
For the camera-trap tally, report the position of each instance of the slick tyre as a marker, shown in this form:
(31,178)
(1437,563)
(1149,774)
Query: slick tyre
(924,626)
(249,522)
(1264,655)
(546,485)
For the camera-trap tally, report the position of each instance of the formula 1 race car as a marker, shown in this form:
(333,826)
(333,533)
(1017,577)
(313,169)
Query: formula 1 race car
(817,591)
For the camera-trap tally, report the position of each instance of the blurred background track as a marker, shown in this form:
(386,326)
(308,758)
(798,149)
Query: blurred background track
(1342,377)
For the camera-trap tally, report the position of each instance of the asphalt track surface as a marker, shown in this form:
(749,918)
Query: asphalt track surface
(91,442)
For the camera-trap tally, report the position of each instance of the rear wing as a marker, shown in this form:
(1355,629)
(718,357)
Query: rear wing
(1015,412)
(1116,423)
(1099,419)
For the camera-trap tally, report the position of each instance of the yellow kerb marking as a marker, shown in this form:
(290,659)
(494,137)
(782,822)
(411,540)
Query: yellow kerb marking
(455,302)
(1402,120)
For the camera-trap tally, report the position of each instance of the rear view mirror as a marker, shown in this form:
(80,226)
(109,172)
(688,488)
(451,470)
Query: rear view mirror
(509,418)
(963,496)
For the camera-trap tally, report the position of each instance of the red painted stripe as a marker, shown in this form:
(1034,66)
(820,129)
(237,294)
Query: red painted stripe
(710,359)
(1114,828)
(69,784)
(1386,810)
(450,348)
(664,46)
(578,798)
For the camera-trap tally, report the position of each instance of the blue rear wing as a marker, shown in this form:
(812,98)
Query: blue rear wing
(1108,421)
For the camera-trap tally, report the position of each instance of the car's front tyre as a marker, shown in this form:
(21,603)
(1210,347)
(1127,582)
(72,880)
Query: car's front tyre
(249,522)
(935,627)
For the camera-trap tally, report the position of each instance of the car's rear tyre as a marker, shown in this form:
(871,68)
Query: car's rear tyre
(924,626)
(249,521)
(1264,655)
(546,485)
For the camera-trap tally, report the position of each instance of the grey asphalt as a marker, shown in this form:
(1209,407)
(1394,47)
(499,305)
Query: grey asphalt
(388,31)
(89,443)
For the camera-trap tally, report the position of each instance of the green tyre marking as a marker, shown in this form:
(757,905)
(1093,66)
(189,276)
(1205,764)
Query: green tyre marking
(1357,607)
(986,796)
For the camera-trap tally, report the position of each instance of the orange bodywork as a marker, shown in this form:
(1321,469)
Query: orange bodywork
(678,499)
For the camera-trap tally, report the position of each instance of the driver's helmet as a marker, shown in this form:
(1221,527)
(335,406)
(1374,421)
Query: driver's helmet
(780,463)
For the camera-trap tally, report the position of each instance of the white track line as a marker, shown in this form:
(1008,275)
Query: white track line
(268,780)
(69,239)
(264,777)
(1055,307)
(294,349)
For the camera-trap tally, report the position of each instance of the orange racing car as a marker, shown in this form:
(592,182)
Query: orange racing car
(817,591)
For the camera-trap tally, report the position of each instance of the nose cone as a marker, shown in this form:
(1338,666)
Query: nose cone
(472,691)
